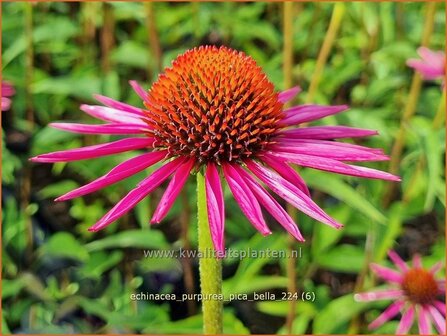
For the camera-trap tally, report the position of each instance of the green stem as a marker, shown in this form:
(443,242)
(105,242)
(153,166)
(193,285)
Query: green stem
(210,267)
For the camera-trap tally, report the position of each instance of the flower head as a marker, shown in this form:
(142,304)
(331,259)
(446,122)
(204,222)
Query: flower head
(214,109)
(414,290)
(7,91)
(431,65)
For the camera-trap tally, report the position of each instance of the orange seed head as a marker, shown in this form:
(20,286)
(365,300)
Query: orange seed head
(420,286)
(214,104)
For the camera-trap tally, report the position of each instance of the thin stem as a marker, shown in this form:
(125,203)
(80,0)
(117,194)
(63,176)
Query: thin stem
(210,267)
(154,40)
(410,108)
(334,25)
(107,36)
(440,113)
(287,73)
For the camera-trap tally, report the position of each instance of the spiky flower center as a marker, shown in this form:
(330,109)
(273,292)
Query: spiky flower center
(214,104)
(420,286)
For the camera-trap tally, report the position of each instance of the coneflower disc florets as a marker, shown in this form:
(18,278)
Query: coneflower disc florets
(420,286)
(213,104)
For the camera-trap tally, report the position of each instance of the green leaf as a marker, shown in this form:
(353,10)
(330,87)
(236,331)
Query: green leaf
(339,189)
(64,245)
(337,313)
(151,239)
(343,258)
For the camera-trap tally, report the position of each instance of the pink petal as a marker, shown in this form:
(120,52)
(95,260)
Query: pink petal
(95,151)
(172,191)
(6,104)
(112,115)
(139,90)
(326,132)
(424,322)
(406,321)
(440,306)
(434,58)
(387,315)
(286,172)
(417,262)
(120,172)
(290,193)
(271,205)
(7,89)
(334,166)
(438,319)
(387,273)
(289,94)
(245,198)
(143,188)
(427,71)
(385,294)
(305,113)
(101,129)
(397,260)
(117,105)
(342,153)
(436,267)
(333,144)
(215,206)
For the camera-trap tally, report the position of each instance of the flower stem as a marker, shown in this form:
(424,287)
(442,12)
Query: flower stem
(210,267)
(331,34)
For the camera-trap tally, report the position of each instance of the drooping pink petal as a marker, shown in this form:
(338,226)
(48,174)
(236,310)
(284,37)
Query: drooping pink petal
(120,172)
(341,153)
(215,206)
(334,166)
(387,314)
(397,260)
(286,172)
(438,318)
(288,95)
(245,198)
(101,129)
(143,188)
(424,321)
(271,205)
(117,105)
(387,274)
(326,132)
(112,115)
(333,144)
(417,262)
(290,193)
(406,321)
(440,306)
(385,294)
(95,151)
(172,191)
(305,113)
(139,90)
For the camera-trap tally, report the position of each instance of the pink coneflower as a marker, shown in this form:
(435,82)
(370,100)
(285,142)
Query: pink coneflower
(7,91)
(431,65)
(215,109)
(415,292)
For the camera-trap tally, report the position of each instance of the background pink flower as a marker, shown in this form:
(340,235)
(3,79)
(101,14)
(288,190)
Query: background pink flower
(431,65)
(415,292)
(7,91)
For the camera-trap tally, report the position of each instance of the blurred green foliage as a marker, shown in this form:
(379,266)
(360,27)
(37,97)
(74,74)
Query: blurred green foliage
(60,278)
